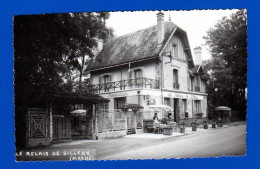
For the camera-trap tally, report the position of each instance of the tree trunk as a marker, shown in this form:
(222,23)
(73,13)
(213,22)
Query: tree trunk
(81,74)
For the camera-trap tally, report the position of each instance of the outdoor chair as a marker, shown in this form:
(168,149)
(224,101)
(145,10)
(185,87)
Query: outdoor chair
(156,127)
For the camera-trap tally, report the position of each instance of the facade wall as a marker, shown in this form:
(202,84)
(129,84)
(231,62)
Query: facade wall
(182,67)
(178,61)
(178,97)
(149,70)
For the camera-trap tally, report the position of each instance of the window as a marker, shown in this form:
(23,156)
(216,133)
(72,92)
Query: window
(175,79)
(119,102)
(138,77)
(197,87)
(197,106)
(184,104)
(105,82)
(175,51)
(167,101)
(191,83)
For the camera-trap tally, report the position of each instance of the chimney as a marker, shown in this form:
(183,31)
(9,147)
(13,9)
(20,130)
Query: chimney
(160,27)
(197,56)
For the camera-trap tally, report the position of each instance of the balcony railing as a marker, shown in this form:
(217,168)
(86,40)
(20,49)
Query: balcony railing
(176,86)
(124,85)
(197,89)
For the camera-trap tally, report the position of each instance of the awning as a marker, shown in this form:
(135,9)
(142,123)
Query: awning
(75,98)
(160,107)
(130,106)
(223,108)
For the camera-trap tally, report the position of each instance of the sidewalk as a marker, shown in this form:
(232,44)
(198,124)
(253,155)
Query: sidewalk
(154,136)
(147,136)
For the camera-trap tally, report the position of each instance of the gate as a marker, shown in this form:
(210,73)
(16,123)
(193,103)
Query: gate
(38,128)
(134,121)
(131,122)
(110,121)
(139,119)
(61,128)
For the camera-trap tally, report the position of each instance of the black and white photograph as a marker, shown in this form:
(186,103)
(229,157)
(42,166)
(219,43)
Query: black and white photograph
(130,85)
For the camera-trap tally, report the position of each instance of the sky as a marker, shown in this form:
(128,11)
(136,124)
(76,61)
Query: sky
(196,23)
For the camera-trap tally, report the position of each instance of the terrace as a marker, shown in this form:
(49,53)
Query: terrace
(125,85)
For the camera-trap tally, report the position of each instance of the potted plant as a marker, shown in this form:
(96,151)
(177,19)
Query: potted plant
(194,125)
(213,124)
(182,127)
(220,123)
(205,124)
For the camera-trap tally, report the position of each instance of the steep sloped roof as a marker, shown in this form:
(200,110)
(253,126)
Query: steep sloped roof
(198,70)
(139,45)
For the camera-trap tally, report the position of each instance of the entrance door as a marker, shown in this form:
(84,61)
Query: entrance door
(175,109)
(38,128)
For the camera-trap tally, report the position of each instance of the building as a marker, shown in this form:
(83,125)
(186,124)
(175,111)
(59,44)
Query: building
(152,66)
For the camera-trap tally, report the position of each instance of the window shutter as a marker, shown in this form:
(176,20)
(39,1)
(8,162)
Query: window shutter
(173,76)
(188,82)
(177,76)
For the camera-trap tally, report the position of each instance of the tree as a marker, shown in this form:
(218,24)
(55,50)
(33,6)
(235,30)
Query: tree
(50,51)
(227,42)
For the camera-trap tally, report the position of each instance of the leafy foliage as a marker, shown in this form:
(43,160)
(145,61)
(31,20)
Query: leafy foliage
(51,52)
(227,42)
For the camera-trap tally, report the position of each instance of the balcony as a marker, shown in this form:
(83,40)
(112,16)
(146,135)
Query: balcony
(125,85)
(176,86)
(197,89)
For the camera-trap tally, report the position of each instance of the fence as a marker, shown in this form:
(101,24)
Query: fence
(110,120)
(124,85)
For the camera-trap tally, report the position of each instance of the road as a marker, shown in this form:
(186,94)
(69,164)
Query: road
(223,142)
(207,143)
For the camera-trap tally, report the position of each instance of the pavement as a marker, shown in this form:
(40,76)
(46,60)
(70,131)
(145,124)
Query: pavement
(226,141)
